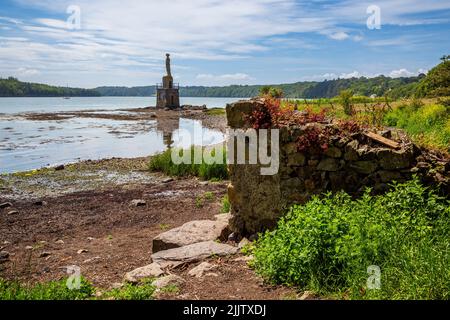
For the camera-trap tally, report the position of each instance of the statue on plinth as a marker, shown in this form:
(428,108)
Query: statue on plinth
(168,64)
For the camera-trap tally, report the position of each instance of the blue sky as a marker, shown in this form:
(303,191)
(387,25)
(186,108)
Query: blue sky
(215,42)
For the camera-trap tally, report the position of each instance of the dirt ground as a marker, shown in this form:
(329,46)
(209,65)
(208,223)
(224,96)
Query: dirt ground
(116,238)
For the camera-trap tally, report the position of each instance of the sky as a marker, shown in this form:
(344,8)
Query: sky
(86,43)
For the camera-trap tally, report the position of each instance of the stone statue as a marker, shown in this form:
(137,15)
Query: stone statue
(168,64)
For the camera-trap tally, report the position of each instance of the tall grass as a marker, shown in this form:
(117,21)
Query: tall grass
(427,124)
(327,245)
(163,162)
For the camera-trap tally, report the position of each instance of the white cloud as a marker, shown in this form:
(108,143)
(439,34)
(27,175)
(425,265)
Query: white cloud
(400,73)
(224,79)
(339,35)
(354,74)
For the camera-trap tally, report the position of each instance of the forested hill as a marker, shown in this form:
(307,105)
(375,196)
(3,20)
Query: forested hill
(397,87)
(11,87)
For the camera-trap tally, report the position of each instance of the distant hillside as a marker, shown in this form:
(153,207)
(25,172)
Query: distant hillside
(397,87)
(11,87)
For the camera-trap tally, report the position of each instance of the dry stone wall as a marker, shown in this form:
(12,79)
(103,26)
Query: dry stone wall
(350,164)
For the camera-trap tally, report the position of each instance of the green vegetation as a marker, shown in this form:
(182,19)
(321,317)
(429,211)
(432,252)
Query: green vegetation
(216,111)
(144,291)
(346,100)
(12,87)
(163,162)
(225,204)
(427,124)
(328,244)
(55,290)
(437,81)
(58,290)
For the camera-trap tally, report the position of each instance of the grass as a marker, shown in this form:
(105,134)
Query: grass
(58,290)
(55,290)
(225,204)
(216,111)
(327,245)
(429,125)
(144,291)
(163,163)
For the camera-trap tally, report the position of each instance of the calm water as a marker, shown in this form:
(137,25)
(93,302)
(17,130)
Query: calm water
(17,105)
(27,145)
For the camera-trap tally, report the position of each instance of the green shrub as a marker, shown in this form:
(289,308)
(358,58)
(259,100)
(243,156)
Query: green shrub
(163,162)
(327,245)
(55,290)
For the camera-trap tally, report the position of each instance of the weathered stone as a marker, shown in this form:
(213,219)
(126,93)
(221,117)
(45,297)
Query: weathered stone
(328,164)
(192,253)
(191,232)
(394,160)
(170,280)
(13,213)
(291,148)
(296,159)
(364,167)
(60,167)
(59,241)
(313,163)
(6,205)
(238,111)
(4,256)
(309,184)
(387,176)
(199,270)
(138,203)
(333,152)
(244,259)
(81,251)
(40,203)
(243,243)
(308,295)
(351,153)
(44,254)
(152,270)
(167,180)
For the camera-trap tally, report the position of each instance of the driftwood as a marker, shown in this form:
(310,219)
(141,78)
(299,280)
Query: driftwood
(383,140)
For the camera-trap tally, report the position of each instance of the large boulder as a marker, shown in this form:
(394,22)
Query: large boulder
(192,253)
(192,232)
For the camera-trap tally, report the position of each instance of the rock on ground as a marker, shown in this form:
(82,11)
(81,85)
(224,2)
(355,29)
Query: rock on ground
(199,270)
(150,271)
(138,203)
(167,281)
(190,233)
(192,253)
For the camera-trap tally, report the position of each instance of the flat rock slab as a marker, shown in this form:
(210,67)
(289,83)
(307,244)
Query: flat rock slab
(152,270)
(190,233)
(192,253)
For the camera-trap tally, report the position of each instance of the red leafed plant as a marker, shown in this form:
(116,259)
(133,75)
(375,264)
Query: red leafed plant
(314,139)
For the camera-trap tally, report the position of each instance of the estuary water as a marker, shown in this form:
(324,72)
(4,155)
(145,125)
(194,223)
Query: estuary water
(31,144)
